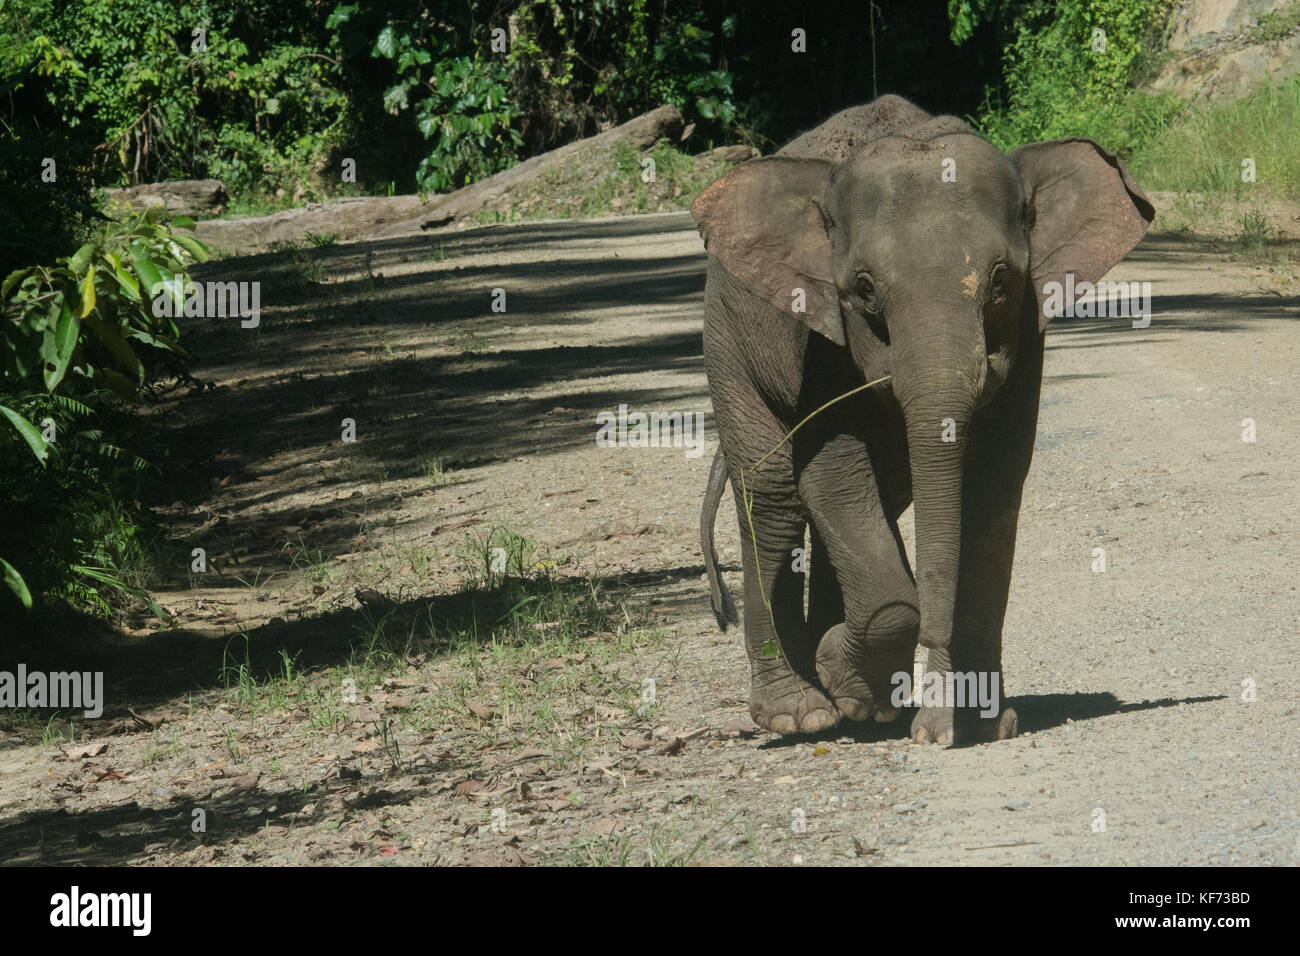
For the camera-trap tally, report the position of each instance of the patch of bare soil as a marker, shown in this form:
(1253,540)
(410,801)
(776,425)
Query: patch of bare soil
(473,636)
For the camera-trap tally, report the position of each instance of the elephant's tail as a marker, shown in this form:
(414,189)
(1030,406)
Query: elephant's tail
(724,608)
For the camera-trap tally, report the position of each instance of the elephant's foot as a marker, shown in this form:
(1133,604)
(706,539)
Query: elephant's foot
(948,725)
(783,702)
(857,682)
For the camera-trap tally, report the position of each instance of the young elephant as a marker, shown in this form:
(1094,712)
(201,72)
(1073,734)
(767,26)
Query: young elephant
(887,242)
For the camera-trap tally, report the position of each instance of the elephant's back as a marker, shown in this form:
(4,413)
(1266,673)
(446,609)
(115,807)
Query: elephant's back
(847,131)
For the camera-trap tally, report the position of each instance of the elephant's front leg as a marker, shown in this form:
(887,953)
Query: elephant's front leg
(857,657)
(972,664)
(783,695)
(998,454)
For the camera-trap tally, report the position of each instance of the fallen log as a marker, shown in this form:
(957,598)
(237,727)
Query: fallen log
(388,216)
(346,218)
(642,132)
(179,197)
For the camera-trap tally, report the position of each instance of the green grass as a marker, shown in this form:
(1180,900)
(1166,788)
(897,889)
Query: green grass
(303,266)
(1255,232)
(1204,150)
(435,471)
(536,648)
(312,563)
(75,528)
(1275,24)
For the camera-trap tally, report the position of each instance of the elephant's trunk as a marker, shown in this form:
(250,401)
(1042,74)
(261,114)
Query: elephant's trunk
(938,392)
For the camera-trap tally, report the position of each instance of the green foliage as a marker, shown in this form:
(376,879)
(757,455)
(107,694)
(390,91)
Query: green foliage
(473,91)
(964,17)
(1069,72)
(1276,24)
(270,94)
(671,64)
(70,336)
(249,100)
(82,314)
(460,102)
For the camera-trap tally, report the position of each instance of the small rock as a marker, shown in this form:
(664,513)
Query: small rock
(1016,805)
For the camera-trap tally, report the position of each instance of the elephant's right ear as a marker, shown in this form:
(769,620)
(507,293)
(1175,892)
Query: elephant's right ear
(763,221)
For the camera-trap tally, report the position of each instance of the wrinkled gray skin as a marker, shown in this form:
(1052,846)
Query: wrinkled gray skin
(938,285)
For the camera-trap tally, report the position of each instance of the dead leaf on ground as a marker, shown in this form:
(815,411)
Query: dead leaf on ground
(600,764)
(738,725)
(93,749)
(672,748)
(467,787)
(480,711)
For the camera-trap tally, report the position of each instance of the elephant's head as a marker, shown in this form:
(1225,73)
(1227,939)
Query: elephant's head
(926,255)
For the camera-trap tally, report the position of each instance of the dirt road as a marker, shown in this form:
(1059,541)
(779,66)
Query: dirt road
(1158,698)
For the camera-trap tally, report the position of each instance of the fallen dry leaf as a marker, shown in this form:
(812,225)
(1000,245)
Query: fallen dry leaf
(82,753)
(479,710)
(672,748)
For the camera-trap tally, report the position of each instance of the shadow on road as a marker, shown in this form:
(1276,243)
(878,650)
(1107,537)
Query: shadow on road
(1037,713)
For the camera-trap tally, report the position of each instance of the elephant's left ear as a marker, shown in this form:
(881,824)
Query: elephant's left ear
(764,222)
(1087,212)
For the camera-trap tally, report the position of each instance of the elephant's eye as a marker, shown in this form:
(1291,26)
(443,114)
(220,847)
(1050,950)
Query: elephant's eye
(867,293)
(998,283)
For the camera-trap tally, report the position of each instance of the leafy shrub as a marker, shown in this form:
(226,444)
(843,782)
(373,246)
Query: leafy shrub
(1069,69)
(72,339)
(564,68)
(249,99)
(462,105)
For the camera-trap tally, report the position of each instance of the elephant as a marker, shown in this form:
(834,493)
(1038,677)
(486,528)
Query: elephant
(898,262)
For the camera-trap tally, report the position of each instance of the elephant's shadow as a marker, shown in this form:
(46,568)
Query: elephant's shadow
(1037,712)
